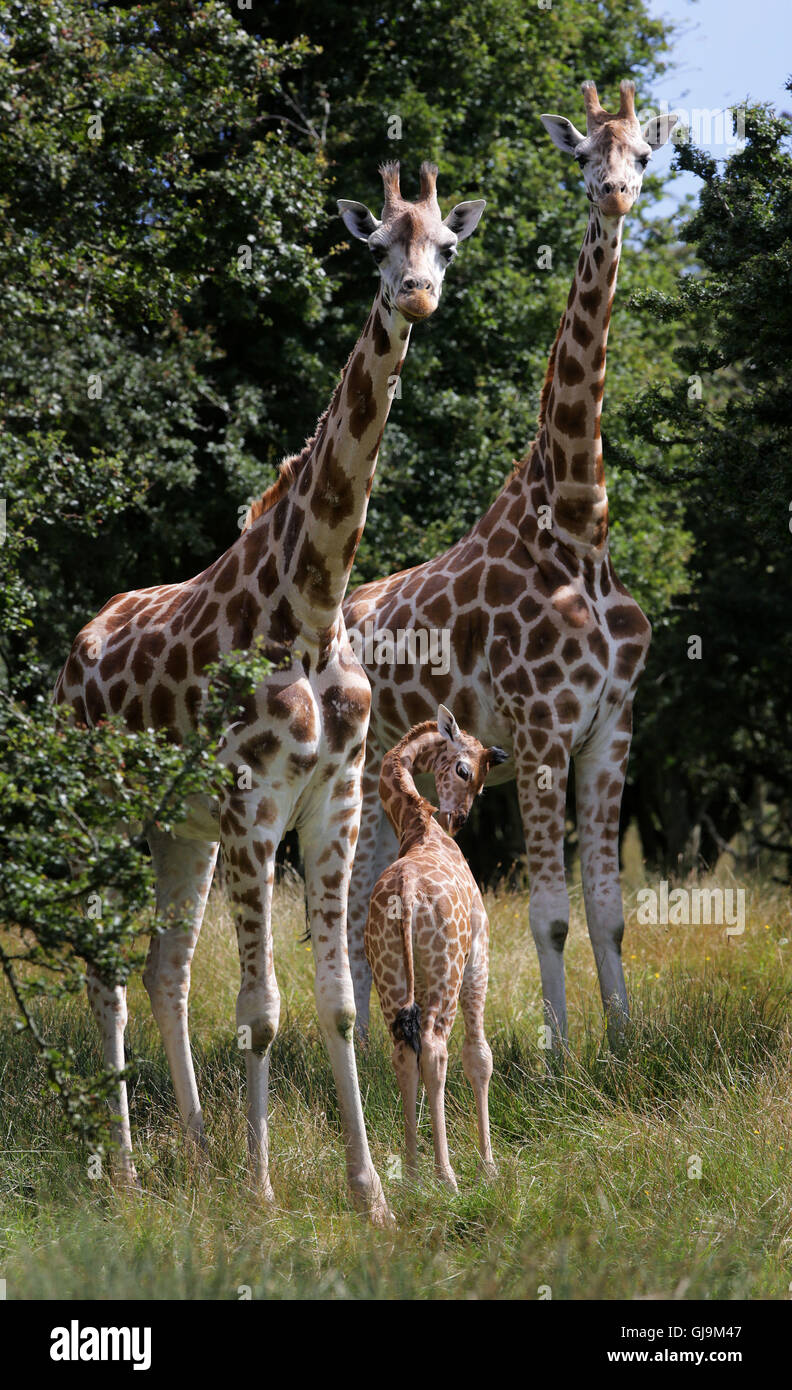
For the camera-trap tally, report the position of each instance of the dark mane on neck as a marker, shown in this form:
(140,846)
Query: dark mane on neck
(429,726)
(416,811)
(288,472)
(290,469)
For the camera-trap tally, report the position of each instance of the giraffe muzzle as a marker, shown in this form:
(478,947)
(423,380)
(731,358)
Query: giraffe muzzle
(416,304)
(615,204)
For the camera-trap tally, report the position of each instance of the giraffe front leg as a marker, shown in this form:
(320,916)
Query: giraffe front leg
(541,787)
(476,1052)
(599,776)
(328,843)
(184,870)
(251,834)
(371,855)
(109,1006)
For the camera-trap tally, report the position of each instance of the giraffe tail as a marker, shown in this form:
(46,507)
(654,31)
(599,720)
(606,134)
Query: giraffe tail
(406,1026)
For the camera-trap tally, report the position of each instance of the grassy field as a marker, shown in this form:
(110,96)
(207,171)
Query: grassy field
(593,1198)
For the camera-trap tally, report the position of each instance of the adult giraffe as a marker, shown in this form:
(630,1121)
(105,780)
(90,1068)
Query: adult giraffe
(302,736)
(546,644)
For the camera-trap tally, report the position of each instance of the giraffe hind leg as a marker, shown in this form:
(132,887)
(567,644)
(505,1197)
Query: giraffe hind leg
(476,1053)
(543,812)
(599,780)
(434,1065)
(405,1065)
(184,870)
(109,1007)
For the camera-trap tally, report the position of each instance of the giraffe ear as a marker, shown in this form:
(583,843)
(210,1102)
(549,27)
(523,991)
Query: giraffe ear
(447,725)
(563,134)
(464,218)
(357,219)
(657,130)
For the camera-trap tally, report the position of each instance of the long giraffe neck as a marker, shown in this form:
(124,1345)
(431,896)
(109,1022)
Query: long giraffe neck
(322,497)
(409,813)
(568,451)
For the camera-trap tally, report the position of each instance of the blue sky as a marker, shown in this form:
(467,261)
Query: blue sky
(725,50)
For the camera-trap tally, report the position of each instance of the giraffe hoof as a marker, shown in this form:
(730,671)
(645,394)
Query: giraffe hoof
(369,1199)
(261,1189)
(487,1170)
(127,1180)
(380,1215)
(196,1151)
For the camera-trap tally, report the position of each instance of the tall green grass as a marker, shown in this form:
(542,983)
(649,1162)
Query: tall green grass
(595,1195)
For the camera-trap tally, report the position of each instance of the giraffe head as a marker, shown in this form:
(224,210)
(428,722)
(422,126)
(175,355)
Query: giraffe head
(460,769)
(413,245)
(614,152)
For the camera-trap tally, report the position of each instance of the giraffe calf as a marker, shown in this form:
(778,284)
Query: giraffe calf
(427,934)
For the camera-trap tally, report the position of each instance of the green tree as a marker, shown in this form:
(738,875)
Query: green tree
(714,753)
(138,166)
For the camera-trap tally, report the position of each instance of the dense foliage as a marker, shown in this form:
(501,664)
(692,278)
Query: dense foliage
(136,165)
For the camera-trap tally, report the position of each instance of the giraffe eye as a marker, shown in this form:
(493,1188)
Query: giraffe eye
(582,159)
(463,772)
(379,253)
(448,253)
(643,160)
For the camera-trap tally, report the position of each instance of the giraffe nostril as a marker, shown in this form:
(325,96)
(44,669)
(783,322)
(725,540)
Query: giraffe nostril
(607,188)
(414,282)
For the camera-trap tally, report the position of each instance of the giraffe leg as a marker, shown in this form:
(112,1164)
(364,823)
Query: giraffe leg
(109,1006)
(476,1053)
(405,1064)
(376,847)
(258,1014)
(599,778)
(541,787)
(249,846)
(328,841)
(184,871)
(434,1065)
